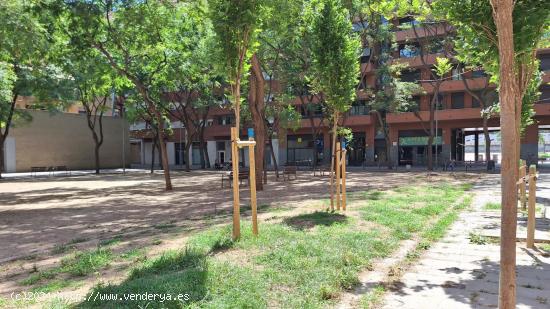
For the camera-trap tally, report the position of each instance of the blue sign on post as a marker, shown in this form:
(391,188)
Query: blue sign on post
(344,143)
(250,132)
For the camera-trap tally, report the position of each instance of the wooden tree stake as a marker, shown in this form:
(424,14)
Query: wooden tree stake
(522,173)
(338,169)
(344,179)
(252,177)
(235,162)
(532,209)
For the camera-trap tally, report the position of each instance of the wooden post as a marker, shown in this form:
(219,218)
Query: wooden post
(344,179)
(252,169)
(235,169)
(522,189)
(532,208)
(338,169)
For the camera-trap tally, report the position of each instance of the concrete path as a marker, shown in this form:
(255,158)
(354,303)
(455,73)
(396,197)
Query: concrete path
(456,273)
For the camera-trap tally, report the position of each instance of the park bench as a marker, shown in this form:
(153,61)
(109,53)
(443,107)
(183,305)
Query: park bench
(243,175)
(38,169)
(63,168)
(288,171)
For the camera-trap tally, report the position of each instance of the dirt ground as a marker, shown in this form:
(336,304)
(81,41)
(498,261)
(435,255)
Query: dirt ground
(38,214)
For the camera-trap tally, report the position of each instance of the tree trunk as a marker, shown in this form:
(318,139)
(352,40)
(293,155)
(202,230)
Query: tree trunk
(332,163)
(96,154)
(7,125)
(187,156)
(206,155)
(510,106)
(163,153)
(257,106)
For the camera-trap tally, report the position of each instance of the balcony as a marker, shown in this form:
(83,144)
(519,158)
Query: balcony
(442,115)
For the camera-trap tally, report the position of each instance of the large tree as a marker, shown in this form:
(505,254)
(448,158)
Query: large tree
(389,93)
(236,26)
(335,60)
(93,81)
(505,34)
(23,66)
(137,39)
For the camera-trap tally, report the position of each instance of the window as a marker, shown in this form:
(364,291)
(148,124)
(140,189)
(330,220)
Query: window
(545,62)
(410,76)
(490,98)
(409,50)
(457,100)
(407,22)
(544,94)
(437,46)
(359,108)
(225,120)
(365,56)
(179,153)
(195,154)
(440,103)
(476,103)
(478,73)
(310,110)
(456,74)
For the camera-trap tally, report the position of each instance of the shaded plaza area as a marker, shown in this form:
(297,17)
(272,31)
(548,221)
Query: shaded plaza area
(38,213)
(70,234)
(462,270)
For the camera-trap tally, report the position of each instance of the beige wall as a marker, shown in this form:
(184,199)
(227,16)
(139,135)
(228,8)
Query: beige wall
(65,139)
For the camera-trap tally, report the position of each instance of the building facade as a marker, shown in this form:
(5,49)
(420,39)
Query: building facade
(458,120)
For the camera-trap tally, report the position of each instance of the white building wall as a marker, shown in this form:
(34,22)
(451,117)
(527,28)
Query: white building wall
(275,143)
(9,155)
(212,153)
(171,150)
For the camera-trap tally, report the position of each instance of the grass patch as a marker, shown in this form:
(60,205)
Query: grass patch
(132,254)
(84,263)
(492,206)
(60,249)
(78,264)
(477,239)
(305,261)
(307,221)
(111,241)
(372,298)
(53,286)
(77,240)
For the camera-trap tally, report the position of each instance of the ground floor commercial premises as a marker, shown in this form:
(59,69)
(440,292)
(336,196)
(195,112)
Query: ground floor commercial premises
(459,137)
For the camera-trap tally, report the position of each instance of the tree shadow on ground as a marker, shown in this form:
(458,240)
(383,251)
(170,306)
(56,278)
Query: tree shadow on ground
(478,286)
(309,221)
(182,275)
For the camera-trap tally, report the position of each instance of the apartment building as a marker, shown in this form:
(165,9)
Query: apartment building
(458,119)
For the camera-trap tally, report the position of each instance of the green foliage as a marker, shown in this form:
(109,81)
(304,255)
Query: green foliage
(442,67)
(335,53)
(477,41)
(236,26)
(345,133)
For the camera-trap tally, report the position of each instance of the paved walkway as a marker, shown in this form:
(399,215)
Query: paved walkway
(455,273)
